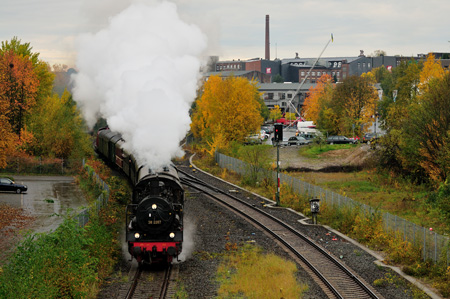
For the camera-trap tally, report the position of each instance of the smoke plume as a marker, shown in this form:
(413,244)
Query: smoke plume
(140,73)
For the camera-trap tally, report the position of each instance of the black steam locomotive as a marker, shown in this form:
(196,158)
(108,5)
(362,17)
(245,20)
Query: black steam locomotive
(154,219)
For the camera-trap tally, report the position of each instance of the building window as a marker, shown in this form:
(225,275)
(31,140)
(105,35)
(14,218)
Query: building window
(303,73)
(270,96)
(364,65)
(338,74)
(289,96)
(313,74)
(368,65)
(283,104)
(359,65)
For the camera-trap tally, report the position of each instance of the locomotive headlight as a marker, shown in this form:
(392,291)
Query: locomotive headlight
(137,235)
(172,235)
(154,206)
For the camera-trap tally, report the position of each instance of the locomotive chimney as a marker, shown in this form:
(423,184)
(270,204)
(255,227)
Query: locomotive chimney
(267,39)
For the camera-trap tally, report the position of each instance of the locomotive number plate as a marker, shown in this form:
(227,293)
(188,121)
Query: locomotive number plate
(154,222)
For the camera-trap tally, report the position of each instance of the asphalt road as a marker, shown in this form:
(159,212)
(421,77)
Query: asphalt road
(49,199)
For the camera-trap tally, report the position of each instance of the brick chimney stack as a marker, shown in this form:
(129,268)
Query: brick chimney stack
(267,39)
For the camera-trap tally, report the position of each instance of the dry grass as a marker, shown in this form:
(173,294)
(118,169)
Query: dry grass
(248,273)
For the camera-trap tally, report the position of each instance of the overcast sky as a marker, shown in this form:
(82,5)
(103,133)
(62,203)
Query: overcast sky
(236,29)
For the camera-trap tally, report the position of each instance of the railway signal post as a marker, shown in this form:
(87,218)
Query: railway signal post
(278,137)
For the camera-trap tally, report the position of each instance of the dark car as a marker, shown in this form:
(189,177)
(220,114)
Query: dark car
(307,136)
(9,185)
(298,140)
(340,140)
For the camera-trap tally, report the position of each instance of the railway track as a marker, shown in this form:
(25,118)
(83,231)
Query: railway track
(336,280)
(150,283)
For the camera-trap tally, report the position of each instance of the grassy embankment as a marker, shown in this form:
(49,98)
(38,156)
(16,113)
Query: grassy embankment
(72,261)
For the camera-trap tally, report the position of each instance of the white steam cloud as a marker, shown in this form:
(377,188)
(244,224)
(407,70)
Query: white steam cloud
(140,74)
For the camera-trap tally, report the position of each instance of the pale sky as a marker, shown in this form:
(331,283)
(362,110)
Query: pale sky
(236,29)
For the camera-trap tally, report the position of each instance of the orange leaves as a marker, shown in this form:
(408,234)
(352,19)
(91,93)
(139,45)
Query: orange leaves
(317,98)
(18,90)
(14,218)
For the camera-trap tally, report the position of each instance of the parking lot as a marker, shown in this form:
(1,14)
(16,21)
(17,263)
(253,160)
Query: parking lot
(48,198)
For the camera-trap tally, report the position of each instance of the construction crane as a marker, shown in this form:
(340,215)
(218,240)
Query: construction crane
(307,75)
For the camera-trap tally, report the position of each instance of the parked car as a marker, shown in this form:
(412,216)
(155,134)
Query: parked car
(253,139)
(267,128)
(9,185)
(264,135)
(370,137)
(298,140)
(307,136)
(340,140)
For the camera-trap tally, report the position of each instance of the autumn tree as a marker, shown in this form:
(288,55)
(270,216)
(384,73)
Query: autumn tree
(20,86)
(427,129)
(355,101)
(227,110)
(432,69)
(275,113)
(397,152)
(58,128)
(318,98)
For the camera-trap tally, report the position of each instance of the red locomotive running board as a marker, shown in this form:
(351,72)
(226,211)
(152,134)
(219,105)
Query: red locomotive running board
(148,246)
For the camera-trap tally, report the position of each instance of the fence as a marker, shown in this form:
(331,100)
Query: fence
(38,165)
(434,246)
(100,202)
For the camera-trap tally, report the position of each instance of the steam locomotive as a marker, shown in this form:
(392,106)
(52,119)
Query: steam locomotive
(154,219)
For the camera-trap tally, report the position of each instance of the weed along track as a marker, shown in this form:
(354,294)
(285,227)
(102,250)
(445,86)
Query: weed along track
(336,280)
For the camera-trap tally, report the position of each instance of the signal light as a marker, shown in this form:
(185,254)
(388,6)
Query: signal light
(278,134)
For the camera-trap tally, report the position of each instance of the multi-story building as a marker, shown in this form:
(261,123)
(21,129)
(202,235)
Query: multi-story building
(285,95)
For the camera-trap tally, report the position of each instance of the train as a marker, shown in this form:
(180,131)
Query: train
(154,218)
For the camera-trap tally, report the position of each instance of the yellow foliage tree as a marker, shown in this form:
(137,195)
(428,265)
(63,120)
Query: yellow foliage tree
(275,113)
(317,97)
(226,111)
(432,69)
(57,126)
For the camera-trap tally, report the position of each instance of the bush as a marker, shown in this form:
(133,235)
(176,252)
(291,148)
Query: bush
(55,265)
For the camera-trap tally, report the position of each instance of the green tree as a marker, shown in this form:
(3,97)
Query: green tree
(428,128)
(277,79)
(58,129)
(398,152)
(355,101)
